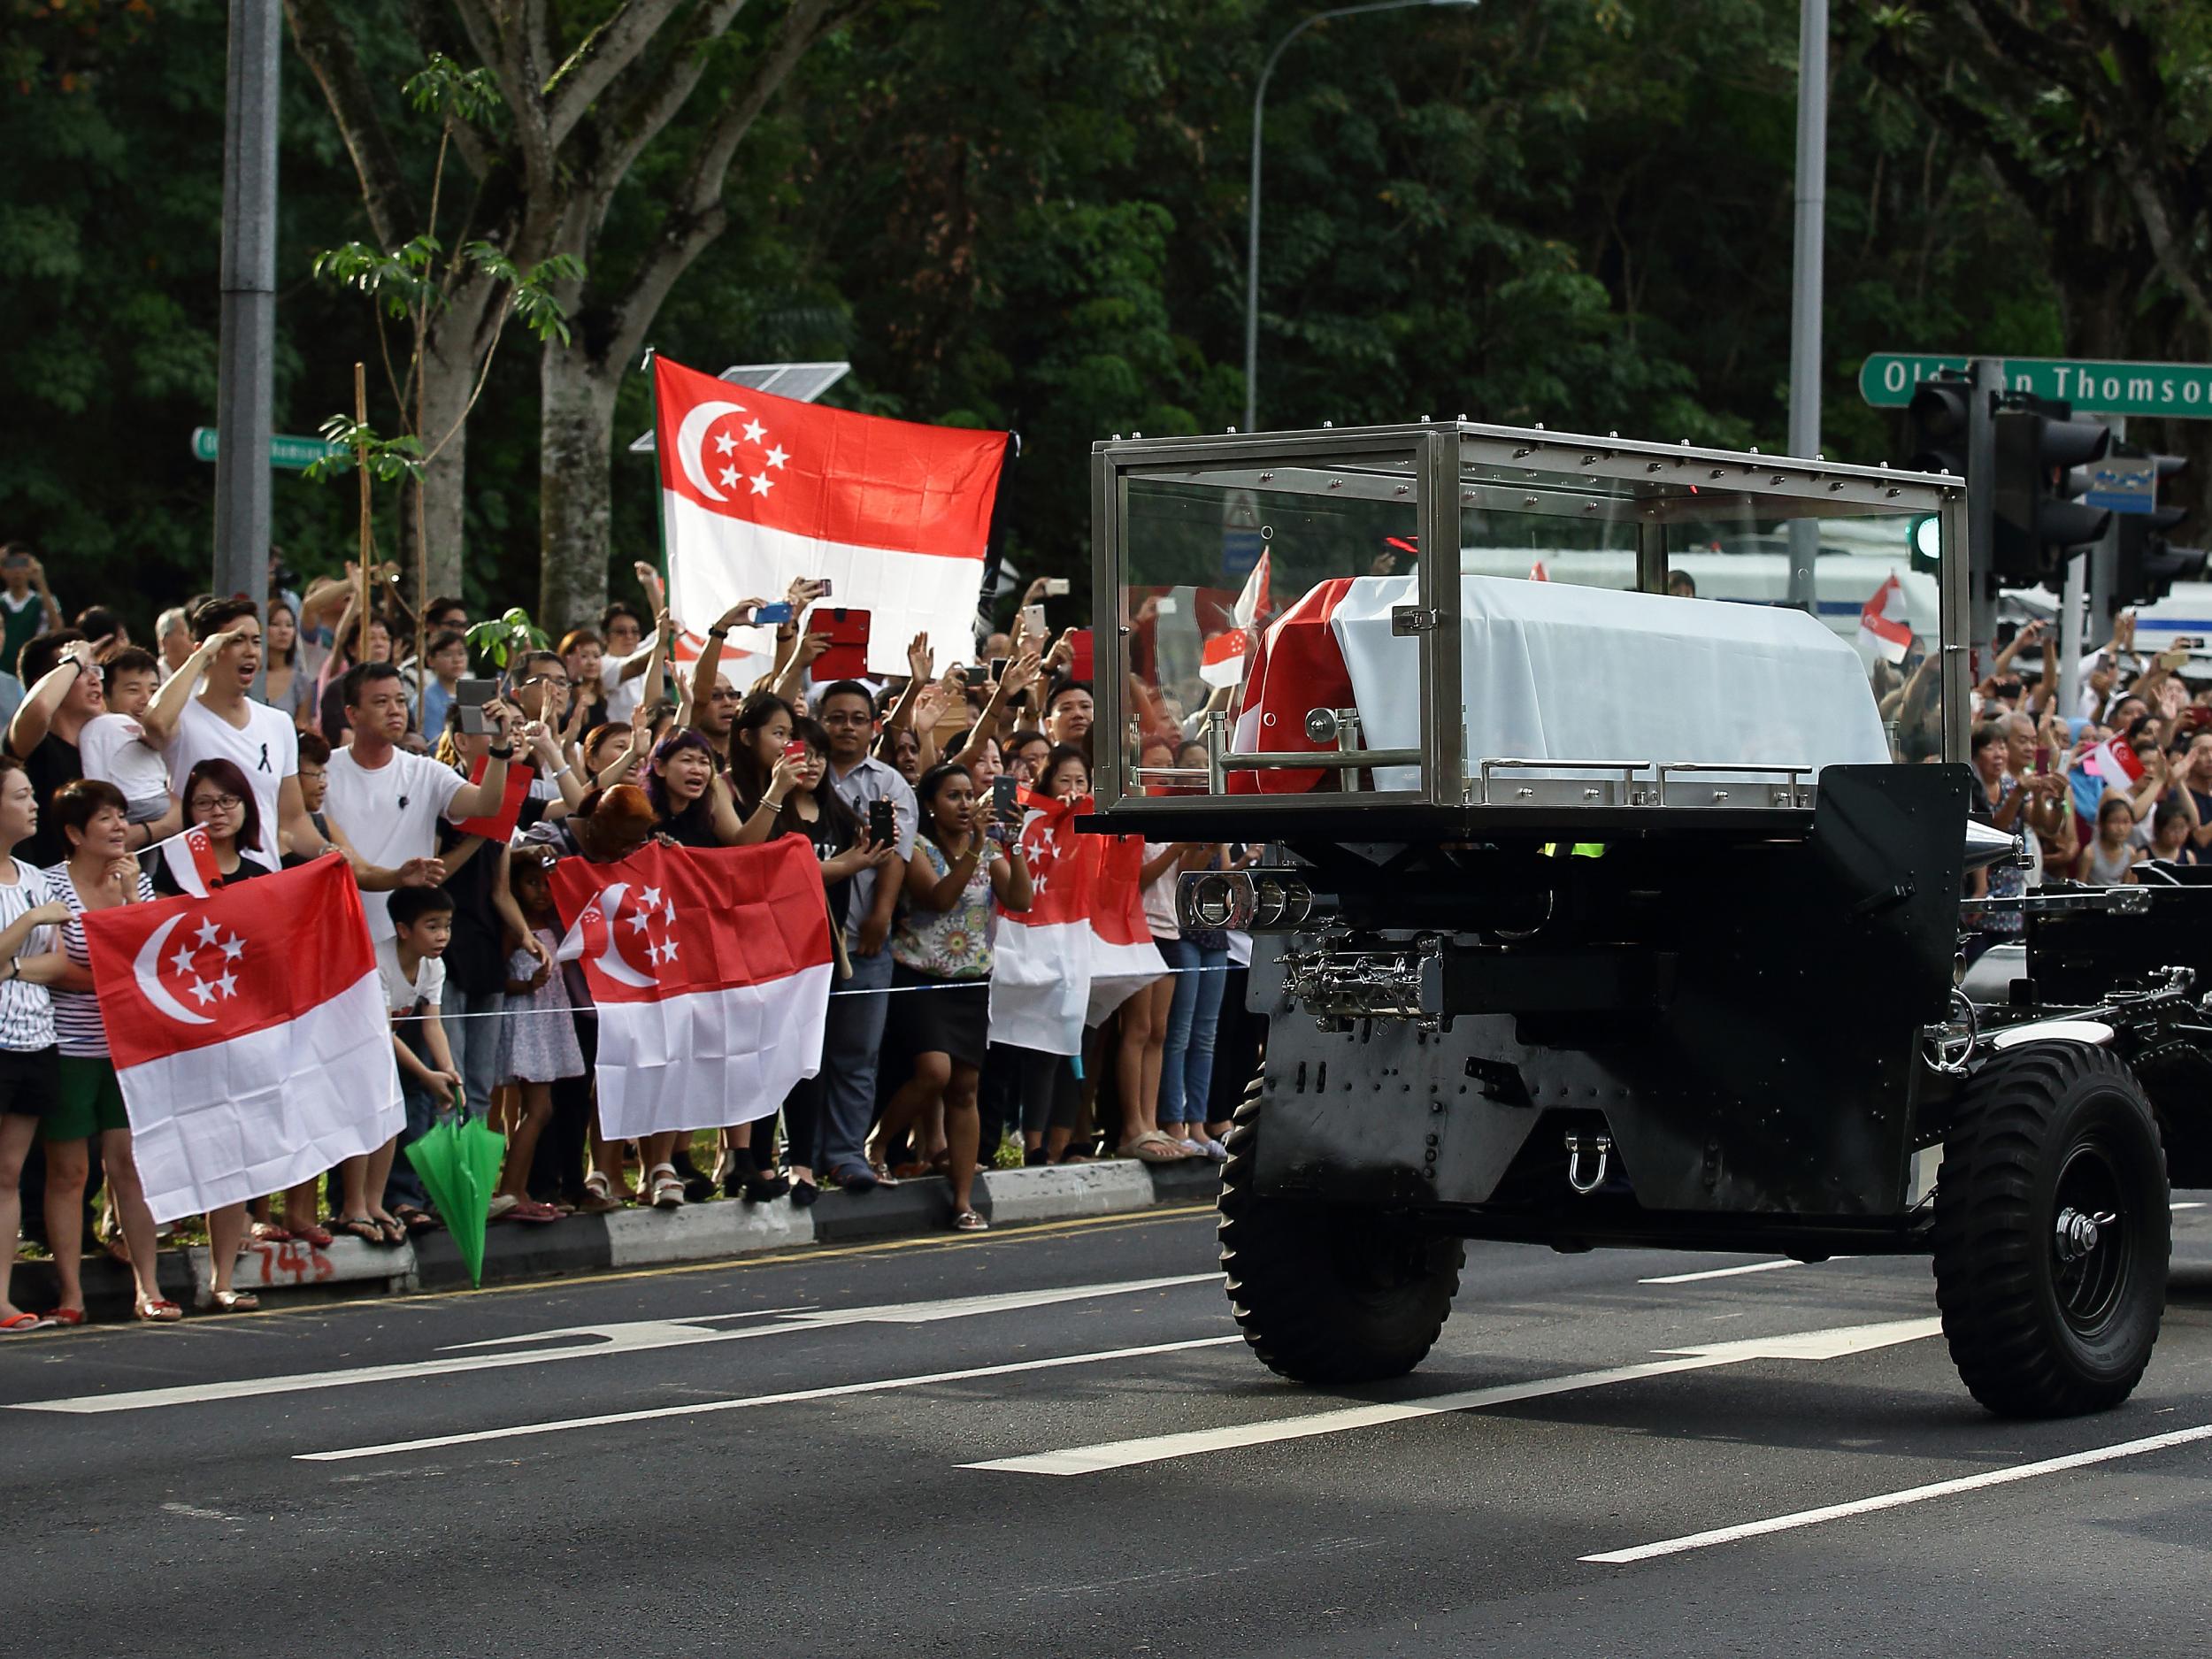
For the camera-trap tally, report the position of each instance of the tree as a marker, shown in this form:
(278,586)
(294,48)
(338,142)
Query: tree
(2096,117)
(586,91)
(414,285)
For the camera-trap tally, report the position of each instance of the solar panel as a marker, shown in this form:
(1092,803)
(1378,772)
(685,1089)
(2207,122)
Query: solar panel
(802,381)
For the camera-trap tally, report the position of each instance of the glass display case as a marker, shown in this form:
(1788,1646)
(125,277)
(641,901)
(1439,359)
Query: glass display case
(1625,626)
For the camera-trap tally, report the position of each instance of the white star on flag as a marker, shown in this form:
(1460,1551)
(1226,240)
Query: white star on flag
(729,478)
(725,442)
(639,920)
(754,432)
(208,930)
(762,484)
(668,951)
(227,985)
(649,898)
(778,456)
(205,992)
(232,946)
(182,961)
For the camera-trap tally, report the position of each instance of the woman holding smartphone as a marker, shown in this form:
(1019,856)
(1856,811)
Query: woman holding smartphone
(964,857)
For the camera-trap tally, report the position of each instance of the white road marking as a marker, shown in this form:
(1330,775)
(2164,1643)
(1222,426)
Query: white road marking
(1808,1345)
(630,1338)
(883,1385)
(1722,1273)
(2193,1204)
(1899,1500)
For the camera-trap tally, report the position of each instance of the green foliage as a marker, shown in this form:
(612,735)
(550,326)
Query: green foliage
(507,637)
(1031,213)
(387,459)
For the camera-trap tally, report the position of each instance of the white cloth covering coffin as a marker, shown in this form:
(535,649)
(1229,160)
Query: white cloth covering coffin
(1554,672)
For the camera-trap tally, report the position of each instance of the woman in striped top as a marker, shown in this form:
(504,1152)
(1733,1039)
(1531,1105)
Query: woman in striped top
(28,911)
(94,819)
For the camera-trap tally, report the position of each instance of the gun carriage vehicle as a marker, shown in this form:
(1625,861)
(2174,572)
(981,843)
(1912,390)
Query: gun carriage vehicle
(1614,916)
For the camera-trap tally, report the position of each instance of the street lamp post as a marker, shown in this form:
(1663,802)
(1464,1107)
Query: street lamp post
(1252,253)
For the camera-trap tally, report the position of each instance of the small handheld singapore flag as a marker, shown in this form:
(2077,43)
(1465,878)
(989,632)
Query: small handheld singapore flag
(250,1035)
(712,974)
(757,490)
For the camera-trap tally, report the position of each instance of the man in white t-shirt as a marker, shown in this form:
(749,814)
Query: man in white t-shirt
(385,801)
(222,722)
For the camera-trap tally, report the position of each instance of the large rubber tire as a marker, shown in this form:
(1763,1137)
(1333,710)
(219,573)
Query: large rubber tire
(2044,1321)
(1326,1294)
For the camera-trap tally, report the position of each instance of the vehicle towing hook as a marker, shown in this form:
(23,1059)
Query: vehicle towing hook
(1579,1146)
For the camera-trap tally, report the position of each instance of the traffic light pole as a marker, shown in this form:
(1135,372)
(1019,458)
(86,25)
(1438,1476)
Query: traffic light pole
(2069,629)
(2104,560)
(247,341)
(1985,380)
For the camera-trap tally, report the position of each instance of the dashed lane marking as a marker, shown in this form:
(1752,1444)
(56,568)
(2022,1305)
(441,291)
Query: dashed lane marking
(588,1341)
(1808,1345)
(1899,1499)
(703,1408)
(1722,1273)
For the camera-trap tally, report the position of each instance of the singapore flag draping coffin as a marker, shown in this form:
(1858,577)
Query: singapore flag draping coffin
(712,974)
(757,490)
(250,1035)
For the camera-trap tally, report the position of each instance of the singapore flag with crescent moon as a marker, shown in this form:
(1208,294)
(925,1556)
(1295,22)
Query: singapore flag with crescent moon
(711,971)
(758,490)
(250,1035)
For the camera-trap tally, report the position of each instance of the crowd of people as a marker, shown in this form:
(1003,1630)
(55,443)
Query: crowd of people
(2116,790)
(315,726)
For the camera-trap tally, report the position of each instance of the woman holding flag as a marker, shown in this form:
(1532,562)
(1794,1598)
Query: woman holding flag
(94,819)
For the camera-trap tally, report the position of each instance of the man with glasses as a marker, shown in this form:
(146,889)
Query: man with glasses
(852,1035)
(541,689)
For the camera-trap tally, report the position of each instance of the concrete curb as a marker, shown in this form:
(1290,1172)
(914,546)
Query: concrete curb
(296,1275)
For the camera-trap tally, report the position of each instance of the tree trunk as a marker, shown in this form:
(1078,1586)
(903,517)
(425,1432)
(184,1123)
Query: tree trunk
(576,443)
(448,375)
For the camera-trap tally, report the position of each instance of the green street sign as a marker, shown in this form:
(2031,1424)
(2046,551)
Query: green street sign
(2176,390)
(287,451)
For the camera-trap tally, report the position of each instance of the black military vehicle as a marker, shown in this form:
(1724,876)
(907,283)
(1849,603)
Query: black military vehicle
(1593,905)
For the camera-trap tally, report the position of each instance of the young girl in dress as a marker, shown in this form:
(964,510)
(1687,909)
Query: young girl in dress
(540,1048)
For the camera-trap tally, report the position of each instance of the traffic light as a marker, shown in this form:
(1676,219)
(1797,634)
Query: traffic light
(1938,423)
(2149,564)
(2037,444)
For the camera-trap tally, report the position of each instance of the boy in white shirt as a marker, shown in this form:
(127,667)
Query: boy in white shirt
(115,748)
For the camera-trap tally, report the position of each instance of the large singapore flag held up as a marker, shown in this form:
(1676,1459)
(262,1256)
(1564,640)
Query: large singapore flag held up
(757,490)
(250,1035)
(712,974)
(1040,962)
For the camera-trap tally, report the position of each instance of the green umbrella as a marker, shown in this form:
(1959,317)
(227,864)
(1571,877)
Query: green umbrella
(458,1160)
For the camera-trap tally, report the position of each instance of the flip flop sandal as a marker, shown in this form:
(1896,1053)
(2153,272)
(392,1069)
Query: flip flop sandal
(159,1310)
(234,1301)
(392,1232)
(1153,1147)
(70,1316)
(315,1238)
(18,1322)
(359,1227)
(269,1233)
(968,1221)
